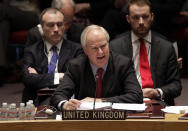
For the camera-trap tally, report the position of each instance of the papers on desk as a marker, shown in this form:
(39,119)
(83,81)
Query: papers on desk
(128,106)
(98,105)
(107,105)
(146,99)
(176,109)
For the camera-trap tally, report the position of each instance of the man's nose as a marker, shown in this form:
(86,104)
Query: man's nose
(56,27)
(100,50)
(141,21)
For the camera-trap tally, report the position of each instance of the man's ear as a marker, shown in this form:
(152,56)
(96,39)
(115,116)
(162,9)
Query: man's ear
(128,18)
(152,16)
(85,50)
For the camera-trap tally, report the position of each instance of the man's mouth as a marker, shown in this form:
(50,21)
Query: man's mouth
(100,57)
(141,28)
(56,35)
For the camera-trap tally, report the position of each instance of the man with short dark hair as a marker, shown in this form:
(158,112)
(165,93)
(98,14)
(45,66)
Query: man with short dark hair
(154,58)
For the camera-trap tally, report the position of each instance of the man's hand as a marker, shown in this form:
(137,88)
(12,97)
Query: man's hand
(61,76)
(72,104)
(89,99)
(150,93)
(180,63)
(32,70)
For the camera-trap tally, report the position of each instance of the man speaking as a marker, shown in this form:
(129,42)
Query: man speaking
(116,79)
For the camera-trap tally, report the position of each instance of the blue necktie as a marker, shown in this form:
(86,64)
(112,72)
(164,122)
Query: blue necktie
(53,61)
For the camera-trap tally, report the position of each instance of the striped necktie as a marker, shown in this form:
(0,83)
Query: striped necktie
(53,61)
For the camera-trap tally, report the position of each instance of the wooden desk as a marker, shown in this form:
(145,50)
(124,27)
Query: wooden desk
(170,123)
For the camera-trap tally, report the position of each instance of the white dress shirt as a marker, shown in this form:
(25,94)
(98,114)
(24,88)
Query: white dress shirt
(50,54)
(136,51)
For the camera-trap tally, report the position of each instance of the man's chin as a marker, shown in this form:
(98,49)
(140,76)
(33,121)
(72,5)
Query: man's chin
(56,41)
(142,33)
(101,63)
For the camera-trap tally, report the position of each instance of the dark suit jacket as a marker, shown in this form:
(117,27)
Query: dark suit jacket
(73,34)
(119,82)
(164,66)
(36,56)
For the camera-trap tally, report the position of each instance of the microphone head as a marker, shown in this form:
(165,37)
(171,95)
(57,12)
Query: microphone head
(97,76)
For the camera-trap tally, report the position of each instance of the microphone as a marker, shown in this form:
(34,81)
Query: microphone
(97,78)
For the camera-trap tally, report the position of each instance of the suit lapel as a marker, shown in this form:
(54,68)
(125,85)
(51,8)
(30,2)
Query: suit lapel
(129,47)
(44,58)
(155,51)
(90,80)
(63,55)
(126,45)
(107,81)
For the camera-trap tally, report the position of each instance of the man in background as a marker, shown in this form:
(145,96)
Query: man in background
(72,30)
(154,58)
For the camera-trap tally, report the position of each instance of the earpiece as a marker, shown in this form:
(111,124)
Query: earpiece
(40,29)
(49,111)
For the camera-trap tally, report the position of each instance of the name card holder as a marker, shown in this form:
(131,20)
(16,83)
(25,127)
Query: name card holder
(93,115)
(183,117)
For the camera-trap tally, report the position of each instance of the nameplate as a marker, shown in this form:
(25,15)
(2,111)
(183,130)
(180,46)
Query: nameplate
(93,115)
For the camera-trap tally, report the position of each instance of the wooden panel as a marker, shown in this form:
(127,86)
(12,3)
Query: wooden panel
(170,123)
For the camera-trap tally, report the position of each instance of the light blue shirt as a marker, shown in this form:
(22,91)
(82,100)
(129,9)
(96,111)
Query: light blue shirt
(94,69)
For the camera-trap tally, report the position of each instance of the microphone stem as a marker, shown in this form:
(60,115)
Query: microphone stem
(95,92)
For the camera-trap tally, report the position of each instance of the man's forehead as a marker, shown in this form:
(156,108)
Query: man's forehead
(51,16)
(95,35)
(94,31)
(139,9)
(96,44)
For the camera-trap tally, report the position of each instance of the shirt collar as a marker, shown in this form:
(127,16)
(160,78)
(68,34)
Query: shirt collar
(94,68)
(49,46)
(147,38)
